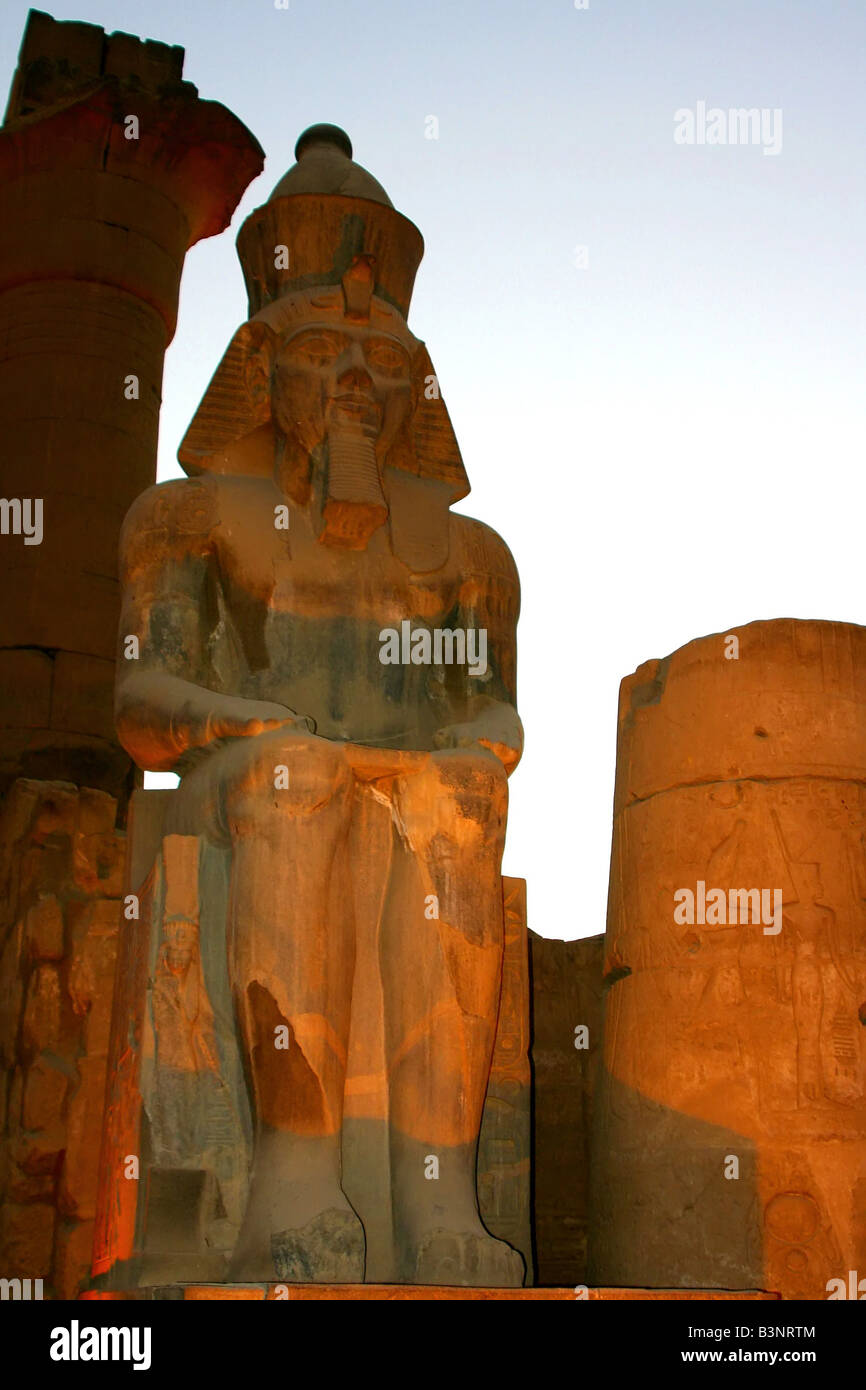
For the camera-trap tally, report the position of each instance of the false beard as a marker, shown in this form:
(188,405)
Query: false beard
(355,505)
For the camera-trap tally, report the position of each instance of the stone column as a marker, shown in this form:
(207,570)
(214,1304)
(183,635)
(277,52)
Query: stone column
(98,213)
(730,1126)
(111,167)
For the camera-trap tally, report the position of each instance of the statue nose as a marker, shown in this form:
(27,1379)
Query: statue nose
(356,376)
(353,370)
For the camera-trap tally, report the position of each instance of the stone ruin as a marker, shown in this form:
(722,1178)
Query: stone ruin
(288,1025)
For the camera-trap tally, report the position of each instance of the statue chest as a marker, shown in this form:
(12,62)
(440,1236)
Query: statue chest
(285,578)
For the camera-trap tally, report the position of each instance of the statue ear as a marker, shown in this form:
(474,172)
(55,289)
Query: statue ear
(232,430)
(433,451)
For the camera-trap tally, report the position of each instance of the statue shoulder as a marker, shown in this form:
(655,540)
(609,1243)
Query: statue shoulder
(481,550)
(180,515)
(187,505)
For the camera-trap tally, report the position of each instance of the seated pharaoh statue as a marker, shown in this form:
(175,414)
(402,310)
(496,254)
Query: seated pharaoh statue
(326,657)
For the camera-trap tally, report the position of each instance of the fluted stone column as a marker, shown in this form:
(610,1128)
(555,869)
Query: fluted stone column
(730,1140)
(111,167)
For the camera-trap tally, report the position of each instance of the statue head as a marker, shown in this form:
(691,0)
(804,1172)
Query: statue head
(324,387)
(337,365)
(180,947)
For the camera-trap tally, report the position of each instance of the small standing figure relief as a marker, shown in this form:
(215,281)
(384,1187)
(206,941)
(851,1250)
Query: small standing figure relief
(809,922)
(181,1008)
(187,1059)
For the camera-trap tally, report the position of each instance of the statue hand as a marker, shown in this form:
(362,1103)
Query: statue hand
(238,718)
(456,736)
(498,731)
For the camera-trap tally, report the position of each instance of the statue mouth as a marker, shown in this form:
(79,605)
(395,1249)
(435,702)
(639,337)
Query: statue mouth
(362,408)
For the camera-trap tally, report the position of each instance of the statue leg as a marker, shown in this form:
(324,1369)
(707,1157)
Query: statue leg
(291,963)
(441,968)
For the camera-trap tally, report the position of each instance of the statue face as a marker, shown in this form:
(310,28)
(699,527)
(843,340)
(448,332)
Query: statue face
(181,940)
(332,373)
(346,384)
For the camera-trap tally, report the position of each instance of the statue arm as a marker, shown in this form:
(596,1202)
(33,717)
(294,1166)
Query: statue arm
(485,705)
(164,708)
(161,719)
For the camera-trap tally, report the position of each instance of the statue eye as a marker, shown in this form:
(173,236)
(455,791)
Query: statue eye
(387,358)
(317,351)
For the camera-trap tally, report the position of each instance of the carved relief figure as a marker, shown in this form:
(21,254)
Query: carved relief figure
(810,924)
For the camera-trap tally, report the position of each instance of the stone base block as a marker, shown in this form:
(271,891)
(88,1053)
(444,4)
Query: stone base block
(275,1293)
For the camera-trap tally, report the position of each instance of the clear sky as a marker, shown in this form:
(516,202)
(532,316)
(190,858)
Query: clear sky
(667,428)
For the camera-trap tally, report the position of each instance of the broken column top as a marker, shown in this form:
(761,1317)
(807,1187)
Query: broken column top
(59,60)
(117,107)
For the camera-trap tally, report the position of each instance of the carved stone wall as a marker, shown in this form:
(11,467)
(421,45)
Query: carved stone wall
(61,862)
(566,999)
(504,1147)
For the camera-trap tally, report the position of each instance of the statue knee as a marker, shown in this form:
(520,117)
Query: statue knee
(297,776)
(476,786)
(460,798)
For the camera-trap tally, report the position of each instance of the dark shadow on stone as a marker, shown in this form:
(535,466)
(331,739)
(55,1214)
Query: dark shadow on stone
(663,1214)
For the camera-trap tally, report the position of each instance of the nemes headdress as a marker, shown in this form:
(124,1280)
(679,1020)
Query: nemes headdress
(328,224)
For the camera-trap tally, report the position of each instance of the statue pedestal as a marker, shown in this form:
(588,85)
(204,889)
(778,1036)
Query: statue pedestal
(313,1293)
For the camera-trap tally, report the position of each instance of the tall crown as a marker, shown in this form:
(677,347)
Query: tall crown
(337,227)
(323,213)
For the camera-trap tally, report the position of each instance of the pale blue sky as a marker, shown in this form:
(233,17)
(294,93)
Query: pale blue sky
(671,439)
